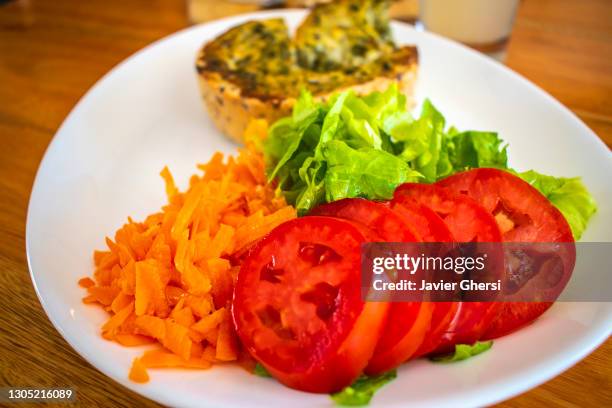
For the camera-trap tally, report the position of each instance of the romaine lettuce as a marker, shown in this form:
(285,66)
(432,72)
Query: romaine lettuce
(363,389)
(366,146)
(362,172)
(569,195)
(463,352)
(261,371)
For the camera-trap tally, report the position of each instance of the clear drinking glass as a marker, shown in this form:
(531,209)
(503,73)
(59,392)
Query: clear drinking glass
(481,24)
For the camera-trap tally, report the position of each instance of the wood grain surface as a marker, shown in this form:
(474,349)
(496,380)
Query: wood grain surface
(52,52)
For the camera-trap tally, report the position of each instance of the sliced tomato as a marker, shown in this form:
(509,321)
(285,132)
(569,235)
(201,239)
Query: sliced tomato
(407,325)
(467,222)
(374,215)
(523,215)
(298,309)
(407,322)
(441,318)
(425,222)
(431,228)
(464,217)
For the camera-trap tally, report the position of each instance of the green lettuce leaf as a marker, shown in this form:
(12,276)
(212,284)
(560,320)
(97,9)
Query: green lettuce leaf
(313,152)
(464,351)
(362,391)
(261,371)
(569,195)
(365,146)
(436,153)
(420,141)
(365,172)
(285,136)
(468,150)
(282,144)
(312,185)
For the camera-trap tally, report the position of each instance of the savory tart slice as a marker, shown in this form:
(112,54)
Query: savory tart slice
(256,70)
(344,34)
(245,73)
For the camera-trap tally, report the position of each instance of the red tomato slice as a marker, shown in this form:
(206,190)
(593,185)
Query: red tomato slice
(298,309)
(379,218)
(406,328)
(407,322)
(467,222)
(432,228)
(425,222)
(523,215)
(441,318)
(464,217)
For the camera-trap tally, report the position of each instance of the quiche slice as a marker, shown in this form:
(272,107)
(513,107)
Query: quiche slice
(344,34)
(256,70)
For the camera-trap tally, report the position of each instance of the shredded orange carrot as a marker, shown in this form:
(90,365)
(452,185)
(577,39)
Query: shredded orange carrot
(227,347)
(159,358)
(86,283)
(138,372)
(210,322)
(132,340)
(118,318)
(169,279)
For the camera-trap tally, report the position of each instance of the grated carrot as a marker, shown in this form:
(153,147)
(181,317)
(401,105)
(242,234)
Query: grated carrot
(86,283)
(227,348)
(169,279)
(159,358)
(132,340)
(138,372)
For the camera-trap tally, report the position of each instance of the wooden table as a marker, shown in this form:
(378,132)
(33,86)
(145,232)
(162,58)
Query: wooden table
(51,52)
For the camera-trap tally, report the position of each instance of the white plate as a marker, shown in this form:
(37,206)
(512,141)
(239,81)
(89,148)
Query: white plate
(103,165)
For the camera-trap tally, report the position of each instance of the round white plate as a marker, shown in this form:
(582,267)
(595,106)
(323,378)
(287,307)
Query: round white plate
(103,165)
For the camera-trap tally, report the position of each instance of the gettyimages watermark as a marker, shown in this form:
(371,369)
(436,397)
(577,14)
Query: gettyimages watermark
(487,272)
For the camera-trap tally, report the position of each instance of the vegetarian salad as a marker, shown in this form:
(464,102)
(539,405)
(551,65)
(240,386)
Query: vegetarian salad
(258,261)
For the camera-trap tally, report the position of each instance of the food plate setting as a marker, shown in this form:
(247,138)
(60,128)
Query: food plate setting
(283,148)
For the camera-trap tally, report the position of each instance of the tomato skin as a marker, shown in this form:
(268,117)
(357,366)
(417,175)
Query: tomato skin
(407,322)
(494,188)
(524,215)
(406,328)
(375,215)
(344,368)
(514,316)
(298,310)
(441,318)
(431,228)
(467,222)
(466,219)
(425,222)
